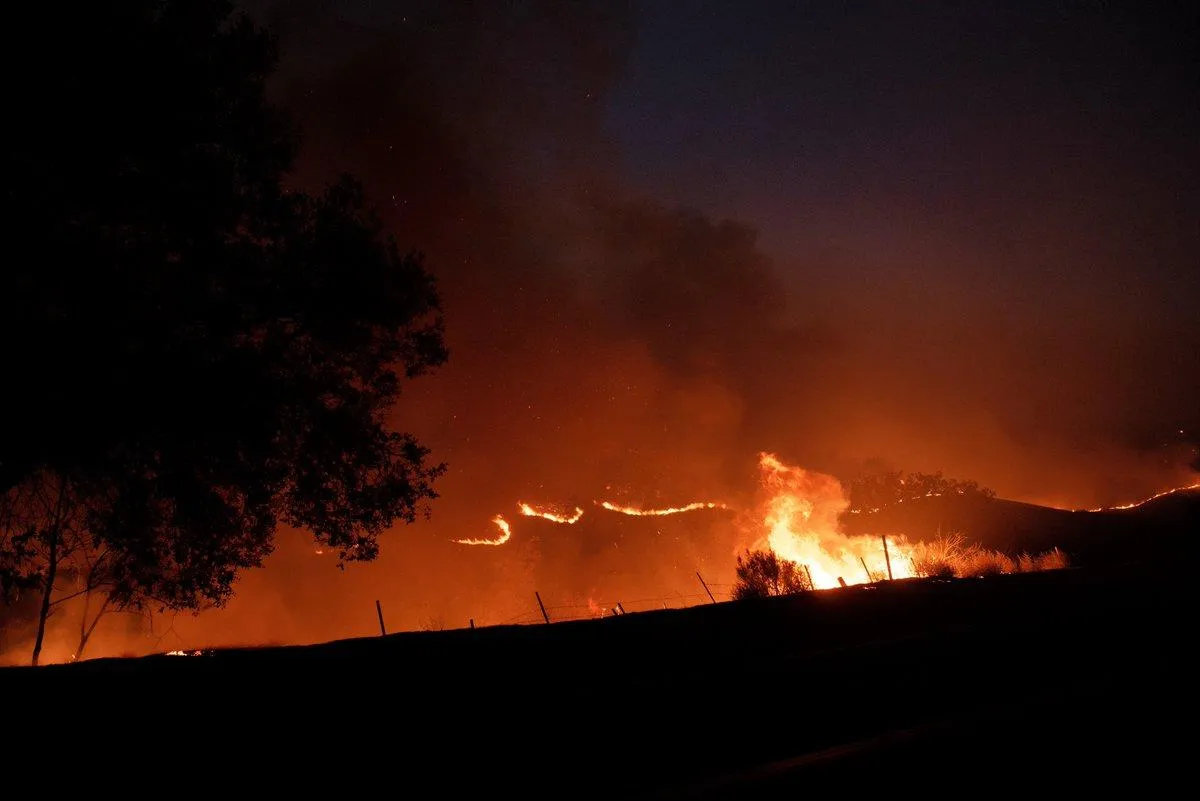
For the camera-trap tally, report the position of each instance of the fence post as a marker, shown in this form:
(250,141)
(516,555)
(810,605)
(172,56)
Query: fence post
(811,586)
(887,557)
(541,605)
(705,586)
(472,624)
(865,570)
(379,611)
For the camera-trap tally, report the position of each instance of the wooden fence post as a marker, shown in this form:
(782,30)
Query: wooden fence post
(379,611)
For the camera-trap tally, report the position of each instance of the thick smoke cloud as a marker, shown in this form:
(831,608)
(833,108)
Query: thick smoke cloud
(606,343)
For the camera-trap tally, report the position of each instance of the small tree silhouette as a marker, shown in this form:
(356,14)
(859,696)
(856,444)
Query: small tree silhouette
(761,574)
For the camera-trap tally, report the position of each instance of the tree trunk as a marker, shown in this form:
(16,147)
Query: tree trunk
(85,631)
(51,574)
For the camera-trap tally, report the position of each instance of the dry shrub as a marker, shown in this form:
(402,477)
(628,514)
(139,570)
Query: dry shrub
(952,557)
(1053,559)
(937,558)
(762,574)
(976,561)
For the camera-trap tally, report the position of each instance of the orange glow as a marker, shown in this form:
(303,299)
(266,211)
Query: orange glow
(505,534)
(1145,501)
(799,522)
(670,510)
(550,513)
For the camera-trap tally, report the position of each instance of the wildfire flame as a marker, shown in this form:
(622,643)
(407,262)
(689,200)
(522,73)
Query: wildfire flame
(550,513)
(1145,501)
(505,534)
(670,510)
(799,514)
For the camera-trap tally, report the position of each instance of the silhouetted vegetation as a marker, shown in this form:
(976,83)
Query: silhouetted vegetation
(874,491)
(761,574)
(193,354)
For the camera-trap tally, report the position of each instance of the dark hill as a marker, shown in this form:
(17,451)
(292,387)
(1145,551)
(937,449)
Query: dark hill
(1157,530)
(1066,679)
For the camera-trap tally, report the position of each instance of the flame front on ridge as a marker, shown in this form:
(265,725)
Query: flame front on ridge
(670,510)
(550,513)
(505,534)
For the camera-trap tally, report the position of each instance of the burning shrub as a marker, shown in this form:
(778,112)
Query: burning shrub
(762,574)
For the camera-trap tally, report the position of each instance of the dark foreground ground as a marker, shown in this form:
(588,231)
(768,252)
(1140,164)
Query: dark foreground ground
(1080,679)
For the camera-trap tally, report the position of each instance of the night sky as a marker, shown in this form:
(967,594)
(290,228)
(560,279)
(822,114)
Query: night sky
(1022,171)
(958,237)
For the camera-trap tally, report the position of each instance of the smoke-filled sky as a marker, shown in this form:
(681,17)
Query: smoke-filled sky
(670,235)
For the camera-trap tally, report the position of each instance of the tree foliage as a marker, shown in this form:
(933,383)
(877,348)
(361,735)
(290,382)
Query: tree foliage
(874,491)
(195,354)
(761,574)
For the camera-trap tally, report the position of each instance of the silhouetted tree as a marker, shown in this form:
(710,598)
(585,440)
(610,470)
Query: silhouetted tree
(193,354)
(875,491)
(761,574)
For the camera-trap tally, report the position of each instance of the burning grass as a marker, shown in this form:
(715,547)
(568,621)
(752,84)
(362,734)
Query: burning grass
(953,557)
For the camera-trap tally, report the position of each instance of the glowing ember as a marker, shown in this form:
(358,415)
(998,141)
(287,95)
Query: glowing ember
(550,513)
(1145,501)
(184,653)
(799,515)
(505,534)
(670,510)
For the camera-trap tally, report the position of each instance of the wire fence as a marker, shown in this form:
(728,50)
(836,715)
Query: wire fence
(594,610)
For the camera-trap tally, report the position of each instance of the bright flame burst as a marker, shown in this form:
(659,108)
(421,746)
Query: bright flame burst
(670,510)
(799,514)
(505,534)
(550,513)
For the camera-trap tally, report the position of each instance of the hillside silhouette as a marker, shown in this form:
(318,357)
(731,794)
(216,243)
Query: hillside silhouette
(933,682)
(1155,530)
